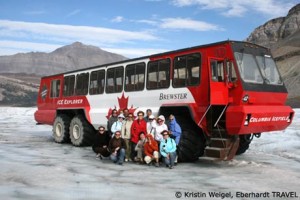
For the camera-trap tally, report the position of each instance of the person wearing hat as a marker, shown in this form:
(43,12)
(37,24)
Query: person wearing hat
(117,148)
(175,129)
(150,128)
(168,149)
(117,126)
(159,127)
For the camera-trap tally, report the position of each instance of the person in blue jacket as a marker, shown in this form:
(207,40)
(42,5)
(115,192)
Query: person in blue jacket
(168,149)
(175,129)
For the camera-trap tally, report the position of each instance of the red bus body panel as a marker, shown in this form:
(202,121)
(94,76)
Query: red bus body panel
(266,109)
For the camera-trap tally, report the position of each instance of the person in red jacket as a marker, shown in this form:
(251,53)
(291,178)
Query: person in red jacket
(139,125)
(151,150)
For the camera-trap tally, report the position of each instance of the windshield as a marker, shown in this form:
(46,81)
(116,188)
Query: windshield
(248,68)
(257,69)
(269,70)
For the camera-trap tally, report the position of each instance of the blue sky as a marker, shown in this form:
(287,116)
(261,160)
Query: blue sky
(132,28)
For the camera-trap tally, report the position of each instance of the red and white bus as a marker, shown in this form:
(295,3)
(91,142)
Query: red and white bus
(222,95)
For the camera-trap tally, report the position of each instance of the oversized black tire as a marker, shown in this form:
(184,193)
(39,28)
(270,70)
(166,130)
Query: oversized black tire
(192,142)
(245,141)
(81,132)
(191,146)
(60,129)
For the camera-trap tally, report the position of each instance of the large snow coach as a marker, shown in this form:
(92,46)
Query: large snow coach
(222,95)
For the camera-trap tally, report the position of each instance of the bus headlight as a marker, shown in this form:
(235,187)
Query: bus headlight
(245,98)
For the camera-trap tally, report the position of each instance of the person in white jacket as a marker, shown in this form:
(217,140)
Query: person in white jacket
(150,129)
(117,126)
(159,127)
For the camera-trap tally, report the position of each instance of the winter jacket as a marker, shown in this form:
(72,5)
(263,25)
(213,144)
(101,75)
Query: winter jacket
(158,129)
(140,145)
(111,121)
(126,129)
(116,142)
(175,129)
(101,140)
(150,129)
(167,146)
(150,146)
(137,127)
(117,126)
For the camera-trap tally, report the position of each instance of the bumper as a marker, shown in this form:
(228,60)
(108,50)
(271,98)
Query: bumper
(257,119)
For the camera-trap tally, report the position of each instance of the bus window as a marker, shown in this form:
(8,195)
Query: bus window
(69,82)
(217,70)
(232,77)
(55,88)
(114,81)
(248,68)
(268,69)
(82,83)
(158,74)
(97,82)
(187,70)
(135,77)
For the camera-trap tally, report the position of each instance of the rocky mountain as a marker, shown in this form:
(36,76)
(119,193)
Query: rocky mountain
(20,73)
(70,57)
(282,36)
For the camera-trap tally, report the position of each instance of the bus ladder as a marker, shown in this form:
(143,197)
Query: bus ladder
(221,145)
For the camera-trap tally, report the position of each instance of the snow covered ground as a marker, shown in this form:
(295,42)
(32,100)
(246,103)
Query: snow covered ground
(32,166)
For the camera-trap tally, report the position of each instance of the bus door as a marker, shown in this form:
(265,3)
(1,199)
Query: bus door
(218,94)
(218,89)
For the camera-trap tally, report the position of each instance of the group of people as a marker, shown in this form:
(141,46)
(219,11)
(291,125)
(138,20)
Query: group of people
(141,139)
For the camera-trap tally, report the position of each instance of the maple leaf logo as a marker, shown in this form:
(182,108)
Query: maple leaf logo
(123,103)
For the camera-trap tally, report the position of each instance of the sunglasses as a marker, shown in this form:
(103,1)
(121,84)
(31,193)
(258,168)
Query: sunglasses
(150,119)
(141,115)
(101,130)
(165,134)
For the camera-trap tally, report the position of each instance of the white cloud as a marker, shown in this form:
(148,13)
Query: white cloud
(182,23)
(117,19)
(272,8)
(22,46)
(74,12)
(69,33)
(20,36)
(146,21)
(8,47)
(135,52)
